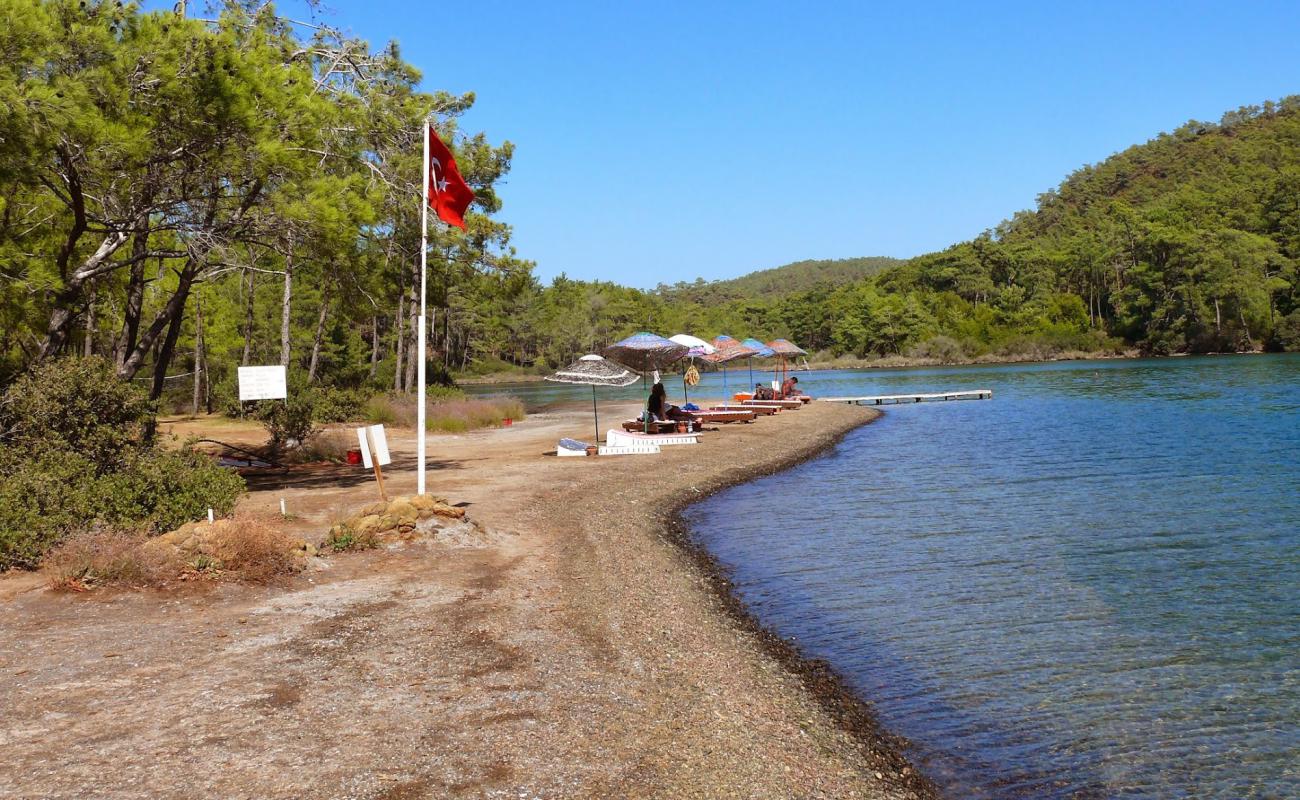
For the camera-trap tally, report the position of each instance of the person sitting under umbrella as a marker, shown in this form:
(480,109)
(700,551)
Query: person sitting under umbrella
(790,388)
(659,409)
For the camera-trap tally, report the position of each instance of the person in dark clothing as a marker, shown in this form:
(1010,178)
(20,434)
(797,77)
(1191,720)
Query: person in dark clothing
(658,407)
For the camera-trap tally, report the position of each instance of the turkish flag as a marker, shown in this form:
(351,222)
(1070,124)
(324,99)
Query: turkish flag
(449,195)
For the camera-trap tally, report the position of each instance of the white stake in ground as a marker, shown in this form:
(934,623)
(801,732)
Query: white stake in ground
(420,335)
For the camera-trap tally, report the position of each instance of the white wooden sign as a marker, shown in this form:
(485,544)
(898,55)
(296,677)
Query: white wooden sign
(262,383)
(379,441)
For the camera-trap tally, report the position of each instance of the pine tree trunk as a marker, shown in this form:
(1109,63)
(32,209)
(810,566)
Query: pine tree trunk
(412,334)
(320,334)
(88,344)
(134,302)
(198,356)
(374,345)
(399,344)
(286,308)
(163,359)
(248,319)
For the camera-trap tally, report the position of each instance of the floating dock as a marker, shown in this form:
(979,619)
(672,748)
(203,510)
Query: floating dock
(894,399)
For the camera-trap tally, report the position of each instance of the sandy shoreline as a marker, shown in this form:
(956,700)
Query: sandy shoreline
(574,646)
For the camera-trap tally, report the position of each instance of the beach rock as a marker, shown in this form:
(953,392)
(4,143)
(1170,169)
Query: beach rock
(363,525)
(376,508)
(450,512)
(404,511)
(425,502)
(388,522)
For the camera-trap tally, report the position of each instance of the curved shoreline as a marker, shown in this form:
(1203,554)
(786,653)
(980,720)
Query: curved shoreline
(852,712)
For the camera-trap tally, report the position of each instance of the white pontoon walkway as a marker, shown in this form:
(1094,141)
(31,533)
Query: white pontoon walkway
(892,399)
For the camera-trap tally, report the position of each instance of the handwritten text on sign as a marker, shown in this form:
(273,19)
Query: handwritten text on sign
(262,383)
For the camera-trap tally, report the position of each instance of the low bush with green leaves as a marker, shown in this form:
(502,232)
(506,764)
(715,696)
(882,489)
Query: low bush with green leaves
(75,455)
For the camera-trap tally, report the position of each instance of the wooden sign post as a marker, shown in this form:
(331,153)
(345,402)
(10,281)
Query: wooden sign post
(374,453)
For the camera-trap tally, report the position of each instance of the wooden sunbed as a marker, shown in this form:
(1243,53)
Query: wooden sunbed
(786,404)
(717,416)
(765,411)
(666,426)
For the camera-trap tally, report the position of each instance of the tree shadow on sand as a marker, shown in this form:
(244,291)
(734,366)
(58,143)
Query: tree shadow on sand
(325,475)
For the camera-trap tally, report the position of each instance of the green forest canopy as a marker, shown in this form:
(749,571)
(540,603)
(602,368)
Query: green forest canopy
(185,196)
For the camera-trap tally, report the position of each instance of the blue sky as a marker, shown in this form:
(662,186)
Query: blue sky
(665,141)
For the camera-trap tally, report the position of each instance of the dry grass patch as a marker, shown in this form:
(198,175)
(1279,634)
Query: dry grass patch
(449,411)
(109,558)
(244,548)
(253,549)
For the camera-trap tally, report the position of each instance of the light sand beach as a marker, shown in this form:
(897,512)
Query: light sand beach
(569,646)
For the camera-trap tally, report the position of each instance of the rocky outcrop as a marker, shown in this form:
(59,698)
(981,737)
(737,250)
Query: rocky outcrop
(398,518)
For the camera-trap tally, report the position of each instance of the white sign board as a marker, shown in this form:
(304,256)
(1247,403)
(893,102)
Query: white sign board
(376,439)
(262,383)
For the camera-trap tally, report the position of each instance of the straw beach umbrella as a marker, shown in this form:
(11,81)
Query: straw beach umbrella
(698,349)
(594,371)
(784,349)
(727,349)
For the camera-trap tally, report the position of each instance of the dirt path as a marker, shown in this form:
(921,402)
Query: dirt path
(569,649)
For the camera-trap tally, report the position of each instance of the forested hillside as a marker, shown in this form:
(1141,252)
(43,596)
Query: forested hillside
(184,196)
(801,276)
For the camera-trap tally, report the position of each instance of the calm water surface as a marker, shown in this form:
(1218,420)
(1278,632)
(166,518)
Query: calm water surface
(1086,587)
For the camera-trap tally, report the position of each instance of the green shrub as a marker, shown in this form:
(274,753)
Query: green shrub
(164,489)
(74,459)
(338,405)
(289,420)
(76,406)
(43,497)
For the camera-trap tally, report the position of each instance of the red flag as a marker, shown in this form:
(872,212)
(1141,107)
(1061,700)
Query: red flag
(449,195)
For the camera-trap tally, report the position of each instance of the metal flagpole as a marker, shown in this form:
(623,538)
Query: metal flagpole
(420,335)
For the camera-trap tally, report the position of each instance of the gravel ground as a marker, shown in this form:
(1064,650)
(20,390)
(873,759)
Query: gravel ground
(568,644)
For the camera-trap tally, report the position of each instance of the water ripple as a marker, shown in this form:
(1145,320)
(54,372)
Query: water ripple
(1088,587)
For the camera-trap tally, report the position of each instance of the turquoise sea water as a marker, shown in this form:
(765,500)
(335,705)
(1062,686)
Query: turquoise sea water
(1086,587)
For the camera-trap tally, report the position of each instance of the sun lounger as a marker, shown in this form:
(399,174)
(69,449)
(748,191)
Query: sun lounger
(628,449)
(764,411)
(715,416)
(620,438)
(787,404)
(573,447)
(665,426)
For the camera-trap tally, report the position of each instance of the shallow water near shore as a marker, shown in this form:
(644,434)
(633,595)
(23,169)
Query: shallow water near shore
(1086,587)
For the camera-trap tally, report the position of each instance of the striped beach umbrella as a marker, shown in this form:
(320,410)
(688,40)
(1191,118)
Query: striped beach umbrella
(594,371)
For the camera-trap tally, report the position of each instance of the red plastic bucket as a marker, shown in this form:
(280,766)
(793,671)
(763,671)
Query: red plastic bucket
(354,456)
(507,422)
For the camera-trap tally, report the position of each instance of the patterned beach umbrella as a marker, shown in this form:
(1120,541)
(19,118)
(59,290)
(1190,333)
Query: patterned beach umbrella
(727,349)
(784,348)
(645,352)
(594,371)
